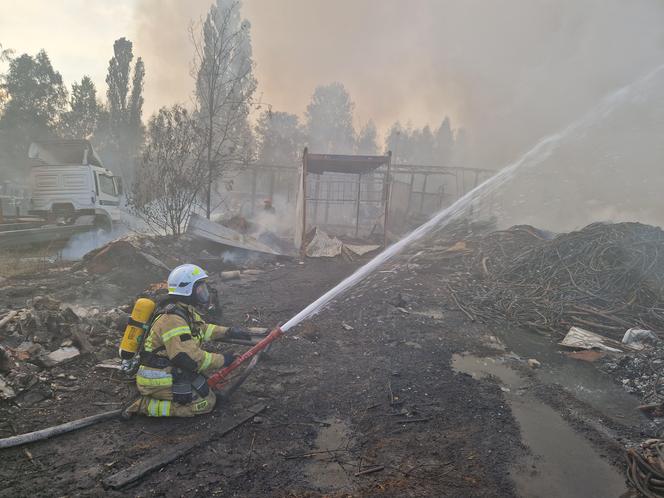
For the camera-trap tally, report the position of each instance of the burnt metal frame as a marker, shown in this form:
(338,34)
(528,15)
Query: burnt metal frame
(386,195)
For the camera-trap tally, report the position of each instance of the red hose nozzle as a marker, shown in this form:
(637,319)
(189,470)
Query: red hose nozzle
(222,373)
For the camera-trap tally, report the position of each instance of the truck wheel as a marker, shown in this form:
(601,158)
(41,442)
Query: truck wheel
(103,222)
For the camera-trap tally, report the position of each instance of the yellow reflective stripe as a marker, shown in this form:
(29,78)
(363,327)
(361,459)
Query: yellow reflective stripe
(206,361)
(170,334)
(148,343)
(159,408)
(171,289)
(163,382)
(208,332)
(152,407)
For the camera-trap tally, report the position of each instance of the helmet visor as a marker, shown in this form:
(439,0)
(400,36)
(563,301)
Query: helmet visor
(202,292)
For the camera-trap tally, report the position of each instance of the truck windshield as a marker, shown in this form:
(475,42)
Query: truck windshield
(106,184)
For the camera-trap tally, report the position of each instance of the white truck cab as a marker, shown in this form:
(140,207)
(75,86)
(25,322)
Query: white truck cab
(68,181)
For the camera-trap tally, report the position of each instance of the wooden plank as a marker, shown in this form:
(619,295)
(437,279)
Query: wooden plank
(155,462)
(40,435)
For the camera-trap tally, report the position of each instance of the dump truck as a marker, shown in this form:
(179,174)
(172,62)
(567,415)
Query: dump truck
(69,182)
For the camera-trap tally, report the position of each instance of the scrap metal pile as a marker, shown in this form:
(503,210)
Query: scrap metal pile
(605,277)
(645,468)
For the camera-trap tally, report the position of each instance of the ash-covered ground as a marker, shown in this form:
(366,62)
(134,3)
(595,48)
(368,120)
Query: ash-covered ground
(393,378)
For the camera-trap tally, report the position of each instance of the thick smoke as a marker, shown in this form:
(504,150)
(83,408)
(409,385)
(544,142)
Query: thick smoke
(509,72)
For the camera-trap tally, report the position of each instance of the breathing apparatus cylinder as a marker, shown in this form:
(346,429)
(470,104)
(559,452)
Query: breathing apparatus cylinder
(138,323)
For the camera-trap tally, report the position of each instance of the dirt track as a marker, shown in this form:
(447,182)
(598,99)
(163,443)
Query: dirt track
(382,394)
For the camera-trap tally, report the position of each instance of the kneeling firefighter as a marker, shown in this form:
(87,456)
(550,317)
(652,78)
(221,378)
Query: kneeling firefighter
(173,367)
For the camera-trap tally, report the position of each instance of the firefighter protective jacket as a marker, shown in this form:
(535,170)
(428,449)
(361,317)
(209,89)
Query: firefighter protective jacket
(172,343)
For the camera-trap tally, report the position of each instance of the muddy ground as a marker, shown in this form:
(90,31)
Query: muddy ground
(392,375)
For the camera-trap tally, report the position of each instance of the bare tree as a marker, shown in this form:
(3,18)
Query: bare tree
(225,86)
(171,172)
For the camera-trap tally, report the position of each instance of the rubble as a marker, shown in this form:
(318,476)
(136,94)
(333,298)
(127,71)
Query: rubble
(118,254)
(6,391)
(640,373)
(321,245)
(598,282)
(604,277)
(46,334)
(59,356)
(645,467)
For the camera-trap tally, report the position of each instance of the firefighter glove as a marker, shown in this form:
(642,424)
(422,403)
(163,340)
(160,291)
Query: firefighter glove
(238,333)
(229,358)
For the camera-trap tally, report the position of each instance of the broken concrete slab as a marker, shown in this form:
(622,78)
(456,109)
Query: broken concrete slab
(205,229)
(6,391)
(59,356)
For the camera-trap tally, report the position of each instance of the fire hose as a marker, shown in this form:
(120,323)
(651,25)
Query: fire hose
(220,375)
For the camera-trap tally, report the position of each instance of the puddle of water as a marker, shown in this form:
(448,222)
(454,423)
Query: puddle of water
(326,469)
(479,368)
(562,463)
(578,377)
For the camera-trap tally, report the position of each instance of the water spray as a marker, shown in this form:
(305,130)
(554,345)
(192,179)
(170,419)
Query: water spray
(536,155)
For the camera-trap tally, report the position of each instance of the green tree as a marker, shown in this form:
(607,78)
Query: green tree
(5,55)
(280,138)
(460,154)
(398,140)
(367,139)
(421,146)
(444,143)
(225,85)
(330,120)
(80,121)
(125,108)
(36,99)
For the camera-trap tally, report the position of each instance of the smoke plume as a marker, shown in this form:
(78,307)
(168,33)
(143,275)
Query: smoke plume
(509,72)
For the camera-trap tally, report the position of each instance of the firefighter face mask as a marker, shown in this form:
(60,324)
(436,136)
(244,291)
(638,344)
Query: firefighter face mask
(201,293)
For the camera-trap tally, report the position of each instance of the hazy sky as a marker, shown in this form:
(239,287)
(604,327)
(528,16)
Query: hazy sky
(78,36)
(510,70)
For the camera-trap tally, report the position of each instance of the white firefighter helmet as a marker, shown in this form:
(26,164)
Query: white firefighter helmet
(182,279)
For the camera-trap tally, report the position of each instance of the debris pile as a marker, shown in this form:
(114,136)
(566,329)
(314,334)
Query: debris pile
(46,334)
(321,245)
(605,277)
(645,467)
(640,373)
